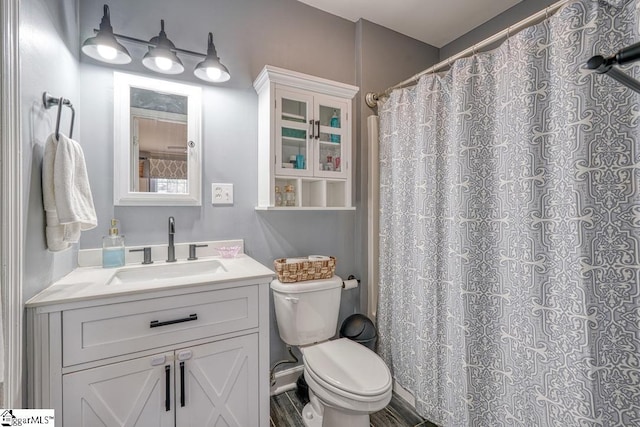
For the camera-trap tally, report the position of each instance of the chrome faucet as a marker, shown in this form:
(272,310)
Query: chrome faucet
(171,250)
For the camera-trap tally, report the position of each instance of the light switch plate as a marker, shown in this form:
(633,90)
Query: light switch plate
(221,194)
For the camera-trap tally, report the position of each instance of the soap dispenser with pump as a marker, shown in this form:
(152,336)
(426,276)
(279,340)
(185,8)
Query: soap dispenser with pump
(113,247)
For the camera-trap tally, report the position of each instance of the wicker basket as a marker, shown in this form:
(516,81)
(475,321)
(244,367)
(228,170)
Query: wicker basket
(306,269)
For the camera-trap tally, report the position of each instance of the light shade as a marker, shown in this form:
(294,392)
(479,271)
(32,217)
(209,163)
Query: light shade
(162,57)
(211,70)
(104,47)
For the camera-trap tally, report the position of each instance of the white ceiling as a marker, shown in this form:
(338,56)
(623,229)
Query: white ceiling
(436,22)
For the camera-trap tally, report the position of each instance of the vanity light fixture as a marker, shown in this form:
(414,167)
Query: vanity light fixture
(104,46)
(211,69)
(162,55)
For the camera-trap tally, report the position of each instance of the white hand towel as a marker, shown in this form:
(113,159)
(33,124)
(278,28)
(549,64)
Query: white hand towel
(68,203)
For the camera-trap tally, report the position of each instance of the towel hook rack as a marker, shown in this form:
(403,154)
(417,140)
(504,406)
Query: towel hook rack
(49,101)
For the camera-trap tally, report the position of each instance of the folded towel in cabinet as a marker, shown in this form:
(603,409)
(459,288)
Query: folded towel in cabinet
(66,193)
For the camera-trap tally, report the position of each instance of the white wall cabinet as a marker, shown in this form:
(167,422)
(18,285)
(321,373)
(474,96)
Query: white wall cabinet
(193,356)
(305,127)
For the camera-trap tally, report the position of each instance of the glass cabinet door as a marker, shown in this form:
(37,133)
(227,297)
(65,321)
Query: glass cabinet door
(331,135)
(293,139)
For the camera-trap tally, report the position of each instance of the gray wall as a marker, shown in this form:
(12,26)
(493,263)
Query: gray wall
(49,62)
(248,34)
(509,17)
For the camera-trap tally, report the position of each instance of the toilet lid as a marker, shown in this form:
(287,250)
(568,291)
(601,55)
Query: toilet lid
(348,366)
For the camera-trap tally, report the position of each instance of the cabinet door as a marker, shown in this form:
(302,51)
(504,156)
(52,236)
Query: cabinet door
(217,384)
(136,392)
(294,126)
(332,142)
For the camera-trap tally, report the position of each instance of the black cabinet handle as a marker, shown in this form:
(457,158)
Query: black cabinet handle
(157,323)
(318,123)
(167,395)
(312,135)
(182,384)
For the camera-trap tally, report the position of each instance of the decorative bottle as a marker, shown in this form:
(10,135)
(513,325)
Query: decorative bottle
(113,247)
(290,195)
(278,196)
(335,123)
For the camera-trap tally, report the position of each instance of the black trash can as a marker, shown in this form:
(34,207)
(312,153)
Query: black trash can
(360,329)
(302,389)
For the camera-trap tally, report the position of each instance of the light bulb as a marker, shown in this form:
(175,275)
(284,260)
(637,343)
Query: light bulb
(163,63)
(107,52)
(214,73)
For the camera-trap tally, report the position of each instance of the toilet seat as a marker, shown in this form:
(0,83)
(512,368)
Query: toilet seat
(348,369)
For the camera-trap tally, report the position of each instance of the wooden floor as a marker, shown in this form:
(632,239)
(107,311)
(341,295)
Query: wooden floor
(287,407)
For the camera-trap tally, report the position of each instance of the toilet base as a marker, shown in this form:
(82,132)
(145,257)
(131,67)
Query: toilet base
(310,418)
(332,418)
(315,414)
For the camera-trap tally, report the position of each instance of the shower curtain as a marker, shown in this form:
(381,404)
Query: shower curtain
(510,231)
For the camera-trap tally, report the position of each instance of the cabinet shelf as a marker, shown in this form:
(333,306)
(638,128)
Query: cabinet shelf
(294,117)
(293,141)
(303,208)
(295,125)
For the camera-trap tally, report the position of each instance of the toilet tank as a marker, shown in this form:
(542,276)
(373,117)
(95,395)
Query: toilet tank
(307,312)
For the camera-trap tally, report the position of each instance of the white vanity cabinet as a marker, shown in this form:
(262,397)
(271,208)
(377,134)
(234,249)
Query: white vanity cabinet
(205,385)
(304,141)
(188,356)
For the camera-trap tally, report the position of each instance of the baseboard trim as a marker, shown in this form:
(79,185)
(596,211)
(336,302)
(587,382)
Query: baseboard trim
(286,380)
(404,394)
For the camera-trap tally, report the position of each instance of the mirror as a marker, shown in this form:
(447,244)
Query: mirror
(157,142)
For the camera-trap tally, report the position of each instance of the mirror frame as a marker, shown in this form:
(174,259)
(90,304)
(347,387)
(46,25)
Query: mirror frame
(122,195)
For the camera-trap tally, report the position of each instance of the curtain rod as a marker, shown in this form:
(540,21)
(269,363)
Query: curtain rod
(371,98)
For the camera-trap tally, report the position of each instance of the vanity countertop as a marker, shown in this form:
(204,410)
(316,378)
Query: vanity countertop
(87,283)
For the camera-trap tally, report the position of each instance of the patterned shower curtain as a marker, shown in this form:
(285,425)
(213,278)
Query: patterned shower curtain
(510,231)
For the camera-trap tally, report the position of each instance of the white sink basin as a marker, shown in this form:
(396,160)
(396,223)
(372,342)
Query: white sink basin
(169,271)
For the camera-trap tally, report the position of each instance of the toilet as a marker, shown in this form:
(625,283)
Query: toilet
(346,380)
